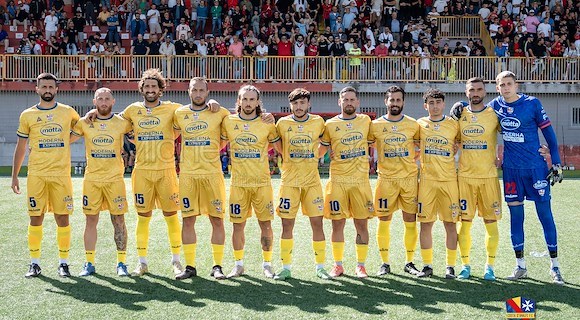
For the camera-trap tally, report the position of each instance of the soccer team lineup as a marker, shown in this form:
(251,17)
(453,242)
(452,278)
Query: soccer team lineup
(418,175)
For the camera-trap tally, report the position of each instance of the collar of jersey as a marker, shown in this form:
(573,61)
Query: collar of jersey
(146,107)
(385,117)
(512,103)
(346,119)
(469,108)
(256,117)
(301,120)
(110,117)
(438,120)
(39,108)
(204,108)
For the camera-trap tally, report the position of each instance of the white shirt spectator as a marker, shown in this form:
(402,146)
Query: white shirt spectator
(299,49)
(97,48)
(51,23)
(201,48)
(545,28)
(300,4)
(368,49)
(493,29)
(182,29)
(484,13)
(440,5)
(167,49)
(153,16)
(171,3)
(386,37)
(262,51)
(37,49)
(371,36)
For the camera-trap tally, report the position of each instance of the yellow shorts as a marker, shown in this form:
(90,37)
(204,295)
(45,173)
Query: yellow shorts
(202,195)
(244,199)
(394,194)
(438,199)
(483,195)
(49,194)
(343,201)
(155,189)
(100,196)
(291,198)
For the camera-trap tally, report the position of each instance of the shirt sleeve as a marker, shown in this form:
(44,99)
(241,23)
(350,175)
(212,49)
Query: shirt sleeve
(224,131)
(126,114)
(273,136)
(540,115)
(325,139)
(77,129)
(23,127)
(74,119)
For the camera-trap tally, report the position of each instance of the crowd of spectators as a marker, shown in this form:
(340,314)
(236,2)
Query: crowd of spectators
(300,28)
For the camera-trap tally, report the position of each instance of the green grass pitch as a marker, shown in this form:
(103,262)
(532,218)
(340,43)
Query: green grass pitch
(396,296)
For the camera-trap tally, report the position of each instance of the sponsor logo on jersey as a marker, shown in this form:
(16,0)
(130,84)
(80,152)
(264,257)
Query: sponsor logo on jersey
(396,139)
(246,127)
(510,110)
(349,126)
(300,128)
(246,139)
(510,123)
(437,140)
(103,126)
(301,140)
(436,127)
(540,184)
(149,122)
(49,117)
(196,126)
(103,140)
(351,138)
(473,118)
(473,130)
(51,129)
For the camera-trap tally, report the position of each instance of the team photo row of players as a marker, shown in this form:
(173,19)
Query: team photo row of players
(443,192)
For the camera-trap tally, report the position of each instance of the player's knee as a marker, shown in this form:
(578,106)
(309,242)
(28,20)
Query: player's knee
(514,203)
(61,220)
(189,222)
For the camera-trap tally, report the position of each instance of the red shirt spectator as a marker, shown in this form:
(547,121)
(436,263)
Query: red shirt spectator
(507,24)
(284,48)
(326,9)
(381,50)
(312,50)
(232,3)
(221,48)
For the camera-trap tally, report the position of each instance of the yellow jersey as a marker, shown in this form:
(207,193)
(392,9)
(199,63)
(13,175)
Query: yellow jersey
(348,140)
(249,149)
(437,142)
(478,143)
(395,144)
(104,140)
(300,140)
(48,134)
(154,137)
(200,139)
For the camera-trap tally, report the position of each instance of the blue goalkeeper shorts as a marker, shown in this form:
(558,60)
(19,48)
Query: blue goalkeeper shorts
(530,184)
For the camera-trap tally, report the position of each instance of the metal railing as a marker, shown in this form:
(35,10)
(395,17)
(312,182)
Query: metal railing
(290,69)
(454,27)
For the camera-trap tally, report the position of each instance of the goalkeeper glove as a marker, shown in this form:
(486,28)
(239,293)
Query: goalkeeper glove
(457,109)
(555,174)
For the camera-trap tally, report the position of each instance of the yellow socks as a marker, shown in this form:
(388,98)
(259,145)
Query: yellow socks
(267,256)
(319,251)
(286,246)
(217,251)
(34,240)
(451,256)
(174,233)
(121,256)
(410,235)
(383,239)
(63,240)
(427,256)
(361,253)
(464,239)
(90,256)
(189,253)
(491,242)
(142,235)
(239,257)
(338,251)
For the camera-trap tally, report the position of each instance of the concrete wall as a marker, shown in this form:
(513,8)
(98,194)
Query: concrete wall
(557,99)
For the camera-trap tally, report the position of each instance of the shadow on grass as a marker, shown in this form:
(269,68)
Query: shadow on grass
(369,296)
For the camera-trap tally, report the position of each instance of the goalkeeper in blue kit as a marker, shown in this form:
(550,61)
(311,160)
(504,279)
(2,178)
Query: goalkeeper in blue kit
(525,173)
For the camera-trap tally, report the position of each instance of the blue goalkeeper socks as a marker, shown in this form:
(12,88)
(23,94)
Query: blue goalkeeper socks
(517,226)
(546,217)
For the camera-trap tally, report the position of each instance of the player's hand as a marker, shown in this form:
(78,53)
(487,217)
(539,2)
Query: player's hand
(268,118)
(556,174)
(544,151)
(91,116)
(15,185)
(213,105)
(457,110)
